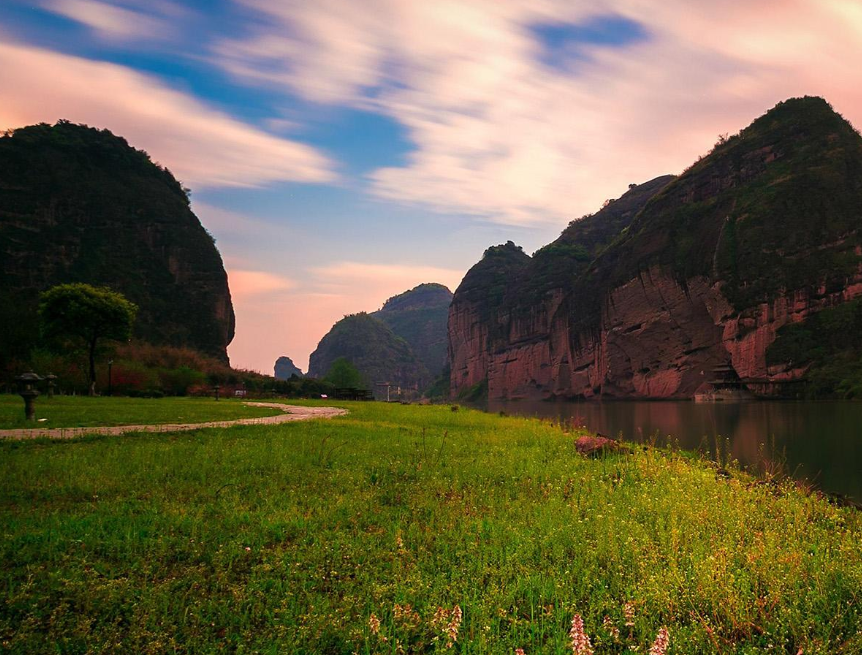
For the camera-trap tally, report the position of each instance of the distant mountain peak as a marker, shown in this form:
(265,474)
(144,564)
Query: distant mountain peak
(423,296)
(285,368)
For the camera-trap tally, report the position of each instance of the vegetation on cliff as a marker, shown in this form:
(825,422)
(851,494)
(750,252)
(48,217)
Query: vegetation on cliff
(79,204)
(560,263)
(346,535)
(772,210)
(830,346)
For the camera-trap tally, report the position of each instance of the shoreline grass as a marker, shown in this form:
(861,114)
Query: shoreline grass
(290,538)
(85,411)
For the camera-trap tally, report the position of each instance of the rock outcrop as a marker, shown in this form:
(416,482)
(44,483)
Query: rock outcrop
(380,355)
(403,343)
(700,271)
(79,204)
(419,316)
(285,368)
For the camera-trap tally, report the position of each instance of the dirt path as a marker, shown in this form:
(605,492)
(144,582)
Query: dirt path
(292,413)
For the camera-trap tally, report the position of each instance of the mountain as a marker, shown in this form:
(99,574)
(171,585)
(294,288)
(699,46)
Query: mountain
(403,343)
(721,266)
(79,204)
(419,317)
(284,368)
(374,349)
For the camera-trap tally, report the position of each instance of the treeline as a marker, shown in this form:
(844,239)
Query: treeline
(146,370)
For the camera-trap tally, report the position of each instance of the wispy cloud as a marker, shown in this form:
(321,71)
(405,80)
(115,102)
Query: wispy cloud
(353,277)
(203,146)
(502,135)
(222,221)
(256,283)
(110,20)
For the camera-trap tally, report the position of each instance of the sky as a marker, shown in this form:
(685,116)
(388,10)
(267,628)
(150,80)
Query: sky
(344,151)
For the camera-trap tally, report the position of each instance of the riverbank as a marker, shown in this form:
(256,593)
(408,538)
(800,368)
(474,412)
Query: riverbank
(816,442)
(315,537)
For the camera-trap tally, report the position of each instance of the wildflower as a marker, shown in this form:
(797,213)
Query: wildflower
(629,613)
(441,616)
(580,641)
(374,624)
(519,651)
(611,629)
(453,626)
(406,615)
(662,641)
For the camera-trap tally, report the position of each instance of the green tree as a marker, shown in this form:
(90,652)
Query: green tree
(343,375)
(88,314)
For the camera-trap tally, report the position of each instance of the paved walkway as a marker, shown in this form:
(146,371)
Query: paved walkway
(292,413)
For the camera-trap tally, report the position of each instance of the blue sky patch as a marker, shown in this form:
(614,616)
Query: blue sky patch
(563,43)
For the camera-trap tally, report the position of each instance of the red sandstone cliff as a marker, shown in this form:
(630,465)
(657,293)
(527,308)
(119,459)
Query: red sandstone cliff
(701,272)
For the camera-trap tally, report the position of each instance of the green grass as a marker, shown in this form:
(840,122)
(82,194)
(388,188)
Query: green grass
(286,539)
(82,411)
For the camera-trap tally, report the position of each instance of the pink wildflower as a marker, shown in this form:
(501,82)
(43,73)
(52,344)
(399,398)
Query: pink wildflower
(441,616)
(580,641)
(662,641)
(453,627)
(519,651)
(629,613)
(611,629)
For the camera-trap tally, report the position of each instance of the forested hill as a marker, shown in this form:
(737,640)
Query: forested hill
(78,204)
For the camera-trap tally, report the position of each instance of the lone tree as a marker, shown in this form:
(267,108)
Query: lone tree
(343,374)
(86,313)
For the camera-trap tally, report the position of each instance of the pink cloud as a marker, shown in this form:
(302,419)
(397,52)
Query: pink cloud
(502,136)
(203,147)
(255,283)
(110,20)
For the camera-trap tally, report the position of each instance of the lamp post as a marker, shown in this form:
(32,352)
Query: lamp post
(27,390)
(50,377)
(110,365)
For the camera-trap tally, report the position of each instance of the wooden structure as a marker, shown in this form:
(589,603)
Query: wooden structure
(353,393)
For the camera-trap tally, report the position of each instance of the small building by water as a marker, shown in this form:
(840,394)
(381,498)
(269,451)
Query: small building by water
(725,386)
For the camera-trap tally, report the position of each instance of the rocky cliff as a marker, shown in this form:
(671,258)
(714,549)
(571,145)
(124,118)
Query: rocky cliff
(698,272)
(80,205)
(404,342)
(380,355)
(285,368)
(419,317)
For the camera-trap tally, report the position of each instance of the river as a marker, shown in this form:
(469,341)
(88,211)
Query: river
(816,441)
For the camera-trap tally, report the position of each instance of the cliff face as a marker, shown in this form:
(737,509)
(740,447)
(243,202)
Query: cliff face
(760,234)
(80,205)
(374,349)
(419,317)
(403,343)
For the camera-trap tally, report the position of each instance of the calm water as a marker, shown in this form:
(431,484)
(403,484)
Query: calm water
(817,441)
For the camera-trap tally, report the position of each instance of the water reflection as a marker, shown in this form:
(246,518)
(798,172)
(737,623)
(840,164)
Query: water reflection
(816,441)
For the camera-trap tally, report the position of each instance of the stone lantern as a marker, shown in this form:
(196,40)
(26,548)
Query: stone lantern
(50,377)
(27,390)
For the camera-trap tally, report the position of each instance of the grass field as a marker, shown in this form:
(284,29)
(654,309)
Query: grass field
(82,411)
(364,533)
